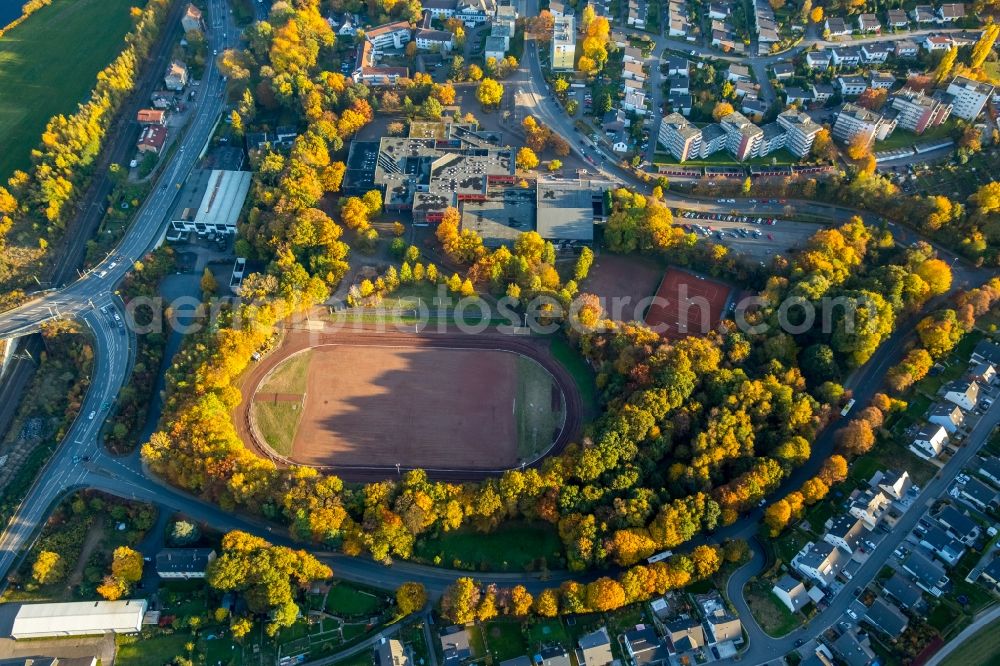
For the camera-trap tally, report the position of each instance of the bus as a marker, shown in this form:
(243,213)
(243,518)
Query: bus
(659,556)
(847,407)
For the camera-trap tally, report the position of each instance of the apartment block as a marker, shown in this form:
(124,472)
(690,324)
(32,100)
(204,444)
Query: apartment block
(918,111)
(970,97)
(563,43)
(680,137)
(743,138)
(801,131)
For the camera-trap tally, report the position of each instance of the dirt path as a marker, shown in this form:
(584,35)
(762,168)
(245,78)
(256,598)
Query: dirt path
(94,536)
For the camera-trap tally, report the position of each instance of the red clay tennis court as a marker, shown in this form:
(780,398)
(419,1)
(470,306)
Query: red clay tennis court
(687,304)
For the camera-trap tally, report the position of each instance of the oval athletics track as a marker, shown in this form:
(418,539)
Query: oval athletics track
(298,340)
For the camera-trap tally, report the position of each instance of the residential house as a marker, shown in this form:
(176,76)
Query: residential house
(681,103)
(522,660)
(151,117)
(970,96)
(985,373)
(719,10)
(496,48)
(595,649)
(876,52)
(881,80)
(390,652)
(846,532)
(937,540)
(685,635)
(720,625)
(990,468)
(868,507)
(896,19)
(632,54)
(905,48)
(737,73)
(887,618)
(176,77)
(927,574)
(183,563)
(894,483)
(680,84)
(434,40)
(902,591)
(389,35)
(980,495)
(162,99)
(564,44)
(783,70)
(554,655)
(820,561)
(475,12)
(945,414)
(192,19)
(633,70)
(959,525)
(753,107)
(152,139)
(818,59)
(635,100)
(798,96)
(937,43)
(677,65)
(743,88)
(852,650)
(455,645)
(440,9)
(950,12)
(851,86)
(961,392)
(791,592)
(929,441)
(619,143)
(845,56)
(644,646)
(801,131)
(836,26)
(986,351)
(557,9)
(922,14)
(868,23)
(990,575)
(821,91)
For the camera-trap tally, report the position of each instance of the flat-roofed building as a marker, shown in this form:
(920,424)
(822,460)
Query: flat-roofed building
(565,211)
(969,97)
(743,138)
(853,120)
(918,112)
(211,201)
(680,137)
(801,129)
(82,618)
(563,43)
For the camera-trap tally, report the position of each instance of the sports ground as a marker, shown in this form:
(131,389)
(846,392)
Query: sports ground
(363,403)
(687,304)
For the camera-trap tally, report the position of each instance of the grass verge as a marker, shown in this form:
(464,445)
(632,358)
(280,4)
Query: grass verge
(291,376)
(278,422)
(513,547)
(538,416)
(979,649)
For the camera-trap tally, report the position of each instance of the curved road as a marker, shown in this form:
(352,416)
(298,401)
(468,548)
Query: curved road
(81,462)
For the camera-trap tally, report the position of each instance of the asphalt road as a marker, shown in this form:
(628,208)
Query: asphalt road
(90,297)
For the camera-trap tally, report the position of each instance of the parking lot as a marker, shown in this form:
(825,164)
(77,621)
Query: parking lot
(757,236)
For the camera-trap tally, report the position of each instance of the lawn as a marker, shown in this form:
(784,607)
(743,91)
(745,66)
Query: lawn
(537,421)
(790,543)
(51,61)
(346,600)
(151,650)
(289,377)
(772,615)
(979,649)
(904,139)
(504,640)
(545,632)
(277,422)
(513,547)
(578,368)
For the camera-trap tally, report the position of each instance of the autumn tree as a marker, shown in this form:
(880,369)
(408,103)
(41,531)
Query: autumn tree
(526,159)
(984,45)
(460,600)
(126,564)
(520,601)
(776,516)
(721,110)
(946,64)
(856,438)
(112,588)
(605,594)
(816,15)
(547,603)
(489,93)
(410,597)
(873,99)
(859,147)
(48,568)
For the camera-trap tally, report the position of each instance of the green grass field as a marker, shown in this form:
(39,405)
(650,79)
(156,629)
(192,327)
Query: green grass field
(289,377)
(151,650)
(980,649)
(278,422)
(537,422)
(48,64)
(513,547)
(570,359)
(345,600)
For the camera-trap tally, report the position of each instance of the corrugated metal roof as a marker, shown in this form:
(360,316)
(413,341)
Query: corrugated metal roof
(78,618)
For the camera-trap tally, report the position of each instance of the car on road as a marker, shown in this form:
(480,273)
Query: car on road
(850,611)
(90,417)
(799,642)
(102,274)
